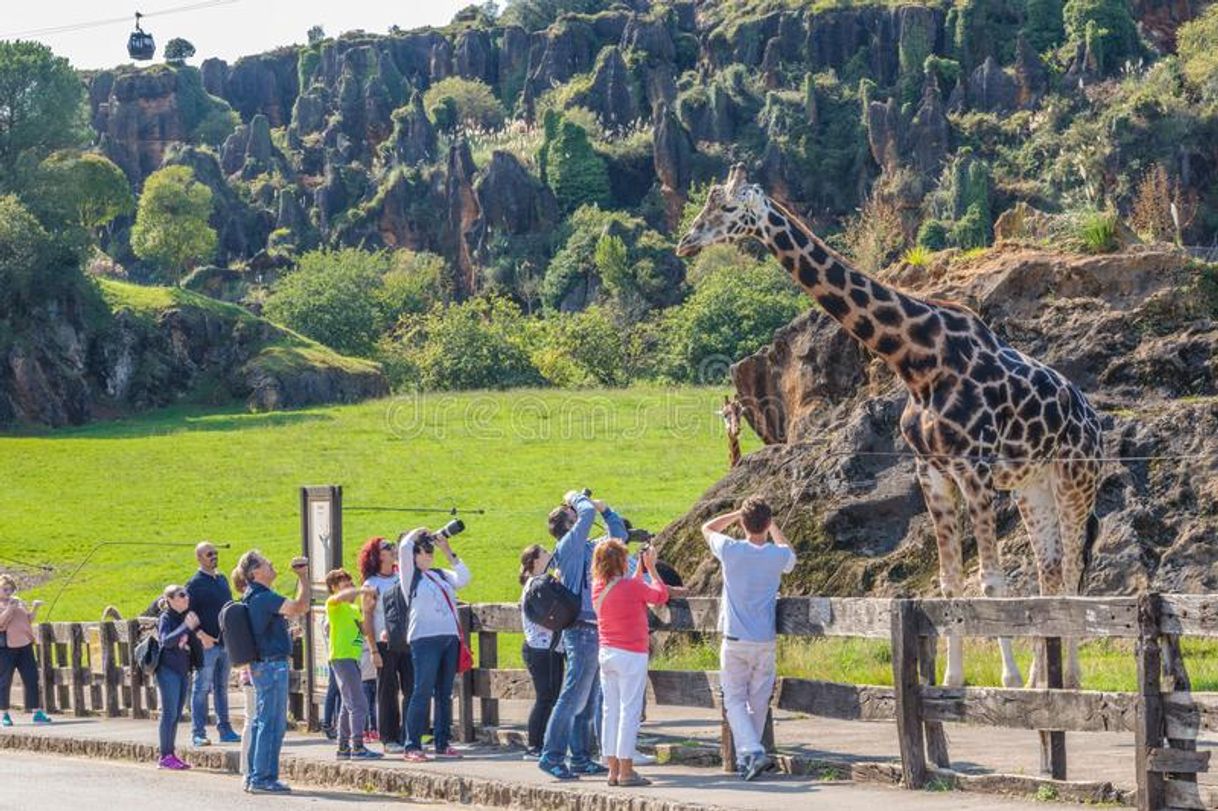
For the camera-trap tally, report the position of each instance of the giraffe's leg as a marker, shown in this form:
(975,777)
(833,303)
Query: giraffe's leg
(940,493)
(1074,484)
(979,493)
(1038,508)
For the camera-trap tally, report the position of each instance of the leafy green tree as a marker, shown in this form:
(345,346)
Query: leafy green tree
(1044,25)
(86,191)
(41,105)
(34,265)
(574,171)
(316,34)
(1197,43)
(333,297)
(178,50)
(1108,29)
(413,284)
(171,229)
(534,15)
(732,313)
(576,350)
(454,102)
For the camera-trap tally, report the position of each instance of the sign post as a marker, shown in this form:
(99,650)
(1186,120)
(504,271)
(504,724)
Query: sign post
(321,540)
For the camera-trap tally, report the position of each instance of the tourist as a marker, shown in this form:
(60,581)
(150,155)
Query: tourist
(434,634)
(572,722)
(17,652)
(247,691)
(367,670)
(209,591)
(378,559)
(752,570)
(621,609)
(176,629)
(350,626)
(544,661)
(268,612)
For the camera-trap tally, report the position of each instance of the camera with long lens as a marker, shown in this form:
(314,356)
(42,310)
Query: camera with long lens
(453,527)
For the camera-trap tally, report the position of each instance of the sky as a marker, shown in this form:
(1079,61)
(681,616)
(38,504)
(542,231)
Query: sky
(231,29)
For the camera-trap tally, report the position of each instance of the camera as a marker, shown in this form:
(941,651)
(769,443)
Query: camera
(453,527)
(635,535)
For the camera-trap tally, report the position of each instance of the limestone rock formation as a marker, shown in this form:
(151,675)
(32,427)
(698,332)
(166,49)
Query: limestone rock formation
(673,153)
(464,219)
(613,93)
(511,200)
(414,137)
(137,117)
(1134,331)
(929,134)
(1031,75)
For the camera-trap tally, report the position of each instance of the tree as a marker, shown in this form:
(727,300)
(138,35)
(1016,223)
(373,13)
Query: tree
(316,34)
(534,15)
(171,229)
(178,50)
(41,105)
(414,283)
(332,297)
(34,265)
(454,102)
(575,172)
(1198,48)
(1043,24)
(1108,29)
(86,191)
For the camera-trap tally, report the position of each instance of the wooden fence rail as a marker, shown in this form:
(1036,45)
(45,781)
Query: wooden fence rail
(86,669)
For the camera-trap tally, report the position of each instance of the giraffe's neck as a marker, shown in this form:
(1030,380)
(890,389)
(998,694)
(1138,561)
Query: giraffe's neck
(900,329)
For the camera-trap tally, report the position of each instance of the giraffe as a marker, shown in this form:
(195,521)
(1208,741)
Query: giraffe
(981,417)
(731,421)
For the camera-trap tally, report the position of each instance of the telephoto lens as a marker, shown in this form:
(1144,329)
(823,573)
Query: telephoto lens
(587,491)
(453,527)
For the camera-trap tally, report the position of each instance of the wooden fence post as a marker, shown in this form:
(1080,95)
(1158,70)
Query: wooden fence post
(76,661)
(1150,720)
(1177,680)
(46,664)
(136,675)
(1052,742)
(465,684)
(488,659)
(108,636)
(907,693)
(936,739)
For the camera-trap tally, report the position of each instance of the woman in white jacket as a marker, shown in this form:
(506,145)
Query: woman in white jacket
(434,634)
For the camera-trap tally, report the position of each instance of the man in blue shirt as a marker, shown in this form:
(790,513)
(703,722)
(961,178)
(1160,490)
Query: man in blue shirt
(209,591)
(268,612)
(574,717)
(752,571)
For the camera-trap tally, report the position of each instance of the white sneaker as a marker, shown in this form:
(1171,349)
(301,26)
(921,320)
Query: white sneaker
(641,759)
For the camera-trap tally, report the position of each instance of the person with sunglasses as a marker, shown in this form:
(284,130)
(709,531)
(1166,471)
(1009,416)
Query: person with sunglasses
(378,560)
(209,591)
(434,634)
(176,628)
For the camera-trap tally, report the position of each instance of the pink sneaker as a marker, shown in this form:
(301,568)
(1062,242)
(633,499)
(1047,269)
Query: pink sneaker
(416,756)
(173,763)
(450,753)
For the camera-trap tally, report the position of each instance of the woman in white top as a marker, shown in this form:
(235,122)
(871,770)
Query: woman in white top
(434,635)
(544,662)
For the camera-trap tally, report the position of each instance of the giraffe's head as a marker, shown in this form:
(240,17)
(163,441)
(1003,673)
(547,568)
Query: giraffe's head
(733,211)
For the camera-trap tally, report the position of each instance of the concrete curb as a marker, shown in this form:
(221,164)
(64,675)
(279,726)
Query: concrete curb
(398,781)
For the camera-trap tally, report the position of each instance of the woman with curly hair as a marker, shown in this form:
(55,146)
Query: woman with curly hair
(377,562)
(621,604)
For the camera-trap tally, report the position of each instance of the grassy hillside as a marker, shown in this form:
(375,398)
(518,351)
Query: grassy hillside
(179,475)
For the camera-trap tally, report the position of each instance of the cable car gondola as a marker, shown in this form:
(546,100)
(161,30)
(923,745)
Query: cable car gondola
(140,45)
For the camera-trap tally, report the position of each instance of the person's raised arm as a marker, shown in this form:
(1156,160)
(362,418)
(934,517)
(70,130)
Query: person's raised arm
(571,545)
(781,540)
(299,605)
(458,576)
(34,606)
(657,589)
(716,525)
(368,598)
(346,595)
(406,559)
(615,527)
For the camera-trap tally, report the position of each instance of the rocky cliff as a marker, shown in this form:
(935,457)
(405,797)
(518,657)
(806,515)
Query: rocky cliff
(1135,331)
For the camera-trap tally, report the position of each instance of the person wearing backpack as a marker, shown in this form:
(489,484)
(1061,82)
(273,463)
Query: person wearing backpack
(176,629)
(572,722)
(377,560)
(268,613)
(434,634)
(544,661)
(621,611)
(350,626)
(17,652)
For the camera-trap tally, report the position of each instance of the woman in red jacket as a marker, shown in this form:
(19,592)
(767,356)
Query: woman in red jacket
(621,617)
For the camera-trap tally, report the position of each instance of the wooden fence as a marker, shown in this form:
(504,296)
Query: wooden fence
(86,669)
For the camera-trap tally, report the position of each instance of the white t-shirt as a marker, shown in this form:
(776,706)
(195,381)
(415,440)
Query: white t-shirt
(535,636)
(751,576)
(383,583)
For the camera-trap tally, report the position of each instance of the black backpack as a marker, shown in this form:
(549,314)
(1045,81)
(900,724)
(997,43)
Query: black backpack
(148,654)
(397,615)
(550,604)
(238,633)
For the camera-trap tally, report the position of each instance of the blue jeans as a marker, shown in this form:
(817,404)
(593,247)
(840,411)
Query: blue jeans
(370,695)
(211,678)
(270,720)
(333,703)
(171,685)
(572,722)
(435,668)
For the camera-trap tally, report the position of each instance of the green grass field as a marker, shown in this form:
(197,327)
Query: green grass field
(181,475)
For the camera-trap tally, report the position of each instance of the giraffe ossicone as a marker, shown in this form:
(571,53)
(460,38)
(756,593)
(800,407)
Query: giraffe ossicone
(981,418)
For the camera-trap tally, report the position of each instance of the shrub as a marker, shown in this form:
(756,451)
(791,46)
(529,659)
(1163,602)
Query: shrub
(580,349)
(1197,43)
(574,171)
(932,235)
(875,236)
(333,297)
(1098,231)
(918,256)
(454,102)
(973,229)
(171,223)
(29,268)
(1108,29)
(414,283)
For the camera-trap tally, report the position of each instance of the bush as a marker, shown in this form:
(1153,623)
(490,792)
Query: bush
(732,313)
(1098,231)
(573,170)
(413,284)
(580,349)
(333,297)
(171,224)
(28,265)
(972,230)
(932,235)
(918,256)
(477,344)
(454,102)
(1197,43)
(1108,29)
(875,236)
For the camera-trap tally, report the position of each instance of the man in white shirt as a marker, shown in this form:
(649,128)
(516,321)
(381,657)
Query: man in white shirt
(752,570)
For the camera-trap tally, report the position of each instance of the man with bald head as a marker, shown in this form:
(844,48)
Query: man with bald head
(209,591)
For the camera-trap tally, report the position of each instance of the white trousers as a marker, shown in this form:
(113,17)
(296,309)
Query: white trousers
(747,673)
(623,685)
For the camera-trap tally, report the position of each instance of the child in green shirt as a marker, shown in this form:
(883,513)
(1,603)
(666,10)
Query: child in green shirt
(349,629)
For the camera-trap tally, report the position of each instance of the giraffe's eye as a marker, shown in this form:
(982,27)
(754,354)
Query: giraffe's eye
(730,209)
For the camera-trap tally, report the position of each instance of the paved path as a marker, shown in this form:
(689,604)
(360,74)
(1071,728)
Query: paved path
(502,771)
